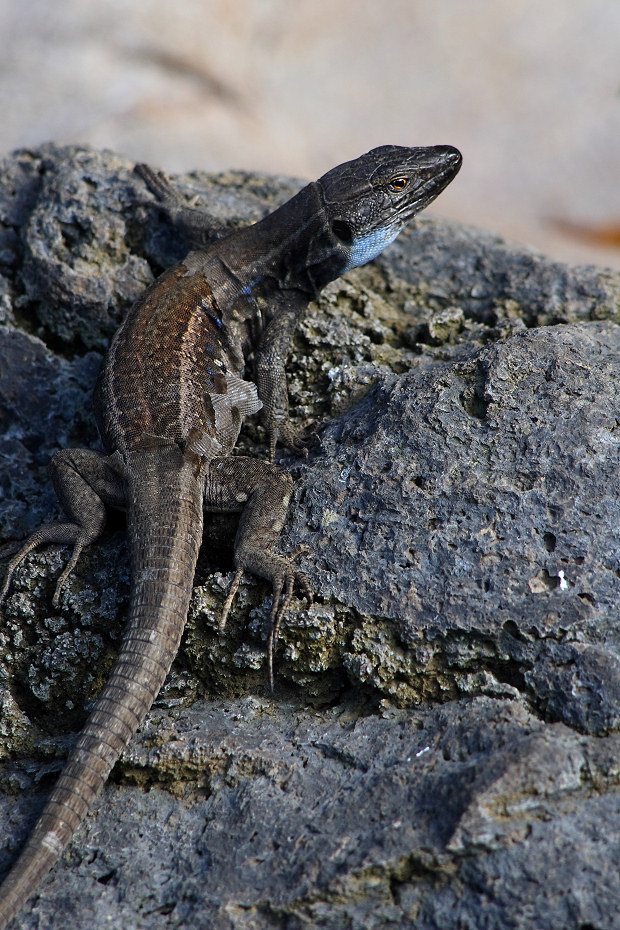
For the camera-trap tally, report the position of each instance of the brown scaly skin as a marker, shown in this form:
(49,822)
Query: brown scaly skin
(170,401)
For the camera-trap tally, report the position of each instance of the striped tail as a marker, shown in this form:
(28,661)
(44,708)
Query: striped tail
(165,530)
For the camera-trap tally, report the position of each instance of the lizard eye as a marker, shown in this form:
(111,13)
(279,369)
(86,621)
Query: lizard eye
(398,184)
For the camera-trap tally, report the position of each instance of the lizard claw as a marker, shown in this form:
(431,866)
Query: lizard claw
(291,438)
(25,549)
(230,597)
(75,555)
(282,594)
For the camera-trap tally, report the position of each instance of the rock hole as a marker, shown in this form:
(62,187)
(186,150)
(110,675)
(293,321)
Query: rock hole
(550,542)
(375,335)
(473,403)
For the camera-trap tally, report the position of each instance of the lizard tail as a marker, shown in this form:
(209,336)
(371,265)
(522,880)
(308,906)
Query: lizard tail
(165,535)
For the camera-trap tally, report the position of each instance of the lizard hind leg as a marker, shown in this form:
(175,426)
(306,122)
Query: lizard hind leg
(263,491)
(84,482)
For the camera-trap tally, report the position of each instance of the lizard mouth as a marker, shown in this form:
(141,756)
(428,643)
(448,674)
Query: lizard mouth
(432,186)
(428,192)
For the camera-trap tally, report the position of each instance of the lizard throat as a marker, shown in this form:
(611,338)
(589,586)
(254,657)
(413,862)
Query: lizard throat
(365,248)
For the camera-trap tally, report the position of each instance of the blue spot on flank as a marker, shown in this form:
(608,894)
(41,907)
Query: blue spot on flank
(247,290)
(208,309)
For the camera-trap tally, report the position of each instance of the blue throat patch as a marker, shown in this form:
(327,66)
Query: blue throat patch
(365,248)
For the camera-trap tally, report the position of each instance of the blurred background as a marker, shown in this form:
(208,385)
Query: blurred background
(528,90)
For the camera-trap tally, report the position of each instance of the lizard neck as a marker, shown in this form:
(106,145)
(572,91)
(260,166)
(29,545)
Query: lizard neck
(291,248)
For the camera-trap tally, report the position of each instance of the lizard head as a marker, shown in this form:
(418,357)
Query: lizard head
(368,201)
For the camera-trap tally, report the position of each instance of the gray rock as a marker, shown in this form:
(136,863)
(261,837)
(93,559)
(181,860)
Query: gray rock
(442,748)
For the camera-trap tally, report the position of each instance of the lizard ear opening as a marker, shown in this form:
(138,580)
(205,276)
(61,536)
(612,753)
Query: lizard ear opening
(342,231)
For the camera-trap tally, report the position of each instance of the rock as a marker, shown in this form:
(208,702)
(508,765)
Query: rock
(442,747)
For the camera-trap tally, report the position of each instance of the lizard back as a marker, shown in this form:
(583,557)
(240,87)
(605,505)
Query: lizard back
(173,370)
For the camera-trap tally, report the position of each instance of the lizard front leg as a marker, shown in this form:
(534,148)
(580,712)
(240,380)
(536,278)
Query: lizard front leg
(262,492)
(84,481)
(270,370)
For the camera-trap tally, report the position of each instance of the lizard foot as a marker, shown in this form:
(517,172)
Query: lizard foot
(230,597)
(84,480)
(282,594)
(283,585)
(295,440)
(49,533)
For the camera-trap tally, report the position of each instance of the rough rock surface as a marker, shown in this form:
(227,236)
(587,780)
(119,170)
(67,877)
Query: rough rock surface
(442,748)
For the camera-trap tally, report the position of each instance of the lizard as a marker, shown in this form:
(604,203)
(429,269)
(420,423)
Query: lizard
(169,402)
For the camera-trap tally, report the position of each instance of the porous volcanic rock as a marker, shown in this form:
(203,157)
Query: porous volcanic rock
(441,750)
